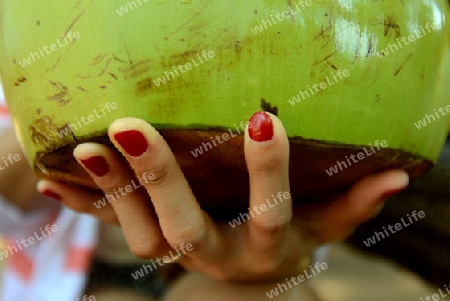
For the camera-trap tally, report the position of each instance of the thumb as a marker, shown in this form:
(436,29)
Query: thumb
(361,203)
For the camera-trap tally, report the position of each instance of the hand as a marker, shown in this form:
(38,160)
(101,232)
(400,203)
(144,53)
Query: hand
(267,247)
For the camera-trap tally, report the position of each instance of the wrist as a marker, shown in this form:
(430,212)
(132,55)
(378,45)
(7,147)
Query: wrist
(287,271)
(198,287)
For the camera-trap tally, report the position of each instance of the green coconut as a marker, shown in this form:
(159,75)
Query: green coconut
(341,75)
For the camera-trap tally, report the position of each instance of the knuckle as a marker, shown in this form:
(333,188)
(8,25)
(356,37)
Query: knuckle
(267,166)
(161,174)
(271,228)
(195,236)
(140,251)
(145,249)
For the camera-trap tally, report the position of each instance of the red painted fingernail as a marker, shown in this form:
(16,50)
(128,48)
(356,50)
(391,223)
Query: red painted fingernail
(50,194)
(391,193)
(97,165)
(261,127)
(133,142)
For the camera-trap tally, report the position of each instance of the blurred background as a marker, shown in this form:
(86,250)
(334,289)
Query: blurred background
(356,276)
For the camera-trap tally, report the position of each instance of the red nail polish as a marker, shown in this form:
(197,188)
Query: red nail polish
(97,165)
(50,194)
(133,142)
(391,193)
(261,127)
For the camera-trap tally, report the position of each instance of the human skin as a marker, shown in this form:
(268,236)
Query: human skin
(26,198)
(270,244)
(197,287)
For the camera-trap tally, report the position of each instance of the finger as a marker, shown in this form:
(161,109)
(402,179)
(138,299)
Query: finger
(267,157)
(360,203)
(78,199)
(130,202)
(181,219)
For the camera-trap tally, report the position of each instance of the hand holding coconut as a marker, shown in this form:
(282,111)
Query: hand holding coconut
(161,216)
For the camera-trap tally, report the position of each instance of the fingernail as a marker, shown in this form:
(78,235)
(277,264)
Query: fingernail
(133,142)
(401,181)
(97,165)
(261,127)
(391,193)
(51,194)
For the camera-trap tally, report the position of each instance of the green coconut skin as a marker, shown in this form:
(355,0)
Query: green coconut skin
(117,58)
